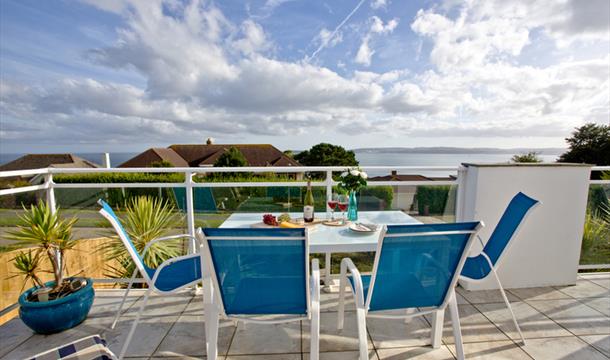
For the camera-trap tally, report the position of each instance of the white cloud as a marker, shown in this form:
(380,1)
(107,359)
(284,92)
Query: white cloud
(335,31)
(253,40)
(377,4)
(329,38)
(365,53)
(207,76)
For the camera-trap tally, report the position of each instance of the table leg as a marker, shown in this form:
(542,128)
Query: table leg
(327,270)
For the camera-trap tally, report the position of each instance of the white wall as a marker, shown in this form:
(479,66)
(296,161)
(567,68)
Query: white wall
(546,250)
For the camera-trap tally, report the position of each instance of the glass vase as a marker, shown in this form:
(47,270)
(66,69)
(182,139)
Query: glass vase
(352,211)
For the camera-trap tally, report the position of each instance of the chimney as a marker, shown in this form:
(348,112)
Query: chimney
(209,141)
(106,160)
(394,172)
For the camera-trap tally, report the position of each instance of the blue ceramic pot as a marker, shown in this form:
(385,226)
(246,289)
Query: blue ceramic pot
(56,315)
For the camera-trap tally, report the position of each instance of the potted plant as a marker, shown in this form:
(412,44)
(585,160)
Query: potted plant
(59,304)
(351,181)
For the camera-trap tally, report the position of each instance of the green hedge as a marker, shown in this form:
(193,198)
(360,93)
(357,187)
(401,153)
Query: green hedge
(384,193)
(105,178)
(432,197)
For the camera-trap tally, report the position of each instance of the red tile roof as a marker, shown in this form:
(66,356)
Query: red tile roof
(197,155)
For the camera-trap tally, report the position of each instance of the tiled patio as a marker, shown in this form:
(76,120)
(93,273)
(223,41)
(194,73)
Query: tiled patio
(558,322)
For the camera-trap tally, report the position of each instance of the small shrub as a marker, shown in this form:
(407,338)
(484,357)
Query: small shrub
(432,198)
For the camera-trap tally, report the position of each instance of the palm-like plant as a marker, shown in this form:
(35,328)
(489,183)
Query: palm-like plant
(596,235)
(42,229)
(145,219)
(28,264)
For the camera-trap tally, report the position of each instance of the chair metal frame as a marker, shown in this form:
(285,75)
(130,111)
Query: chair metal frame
(141,269)
(438,313)
(493,268)
(214,304)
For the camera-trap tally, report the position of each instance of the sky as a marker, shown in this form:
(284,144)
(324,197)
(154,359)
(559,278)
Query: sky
(125,75)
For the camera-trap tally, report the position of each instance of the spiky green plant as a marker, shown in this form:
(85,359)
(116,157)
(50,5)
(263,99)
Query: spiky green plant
(28,264)
(596,235)
(43,230)
(145,219)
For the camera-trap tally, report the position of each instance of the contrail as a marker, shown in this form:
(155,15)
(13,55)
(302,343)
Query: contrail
(332,35)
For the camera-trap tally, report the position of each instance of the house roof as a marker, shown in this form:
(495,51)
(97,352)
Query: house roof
(152,155)
(196,155)
(38,161)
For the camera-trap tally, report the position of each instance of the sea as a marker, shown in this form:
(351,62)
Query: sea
(365,158)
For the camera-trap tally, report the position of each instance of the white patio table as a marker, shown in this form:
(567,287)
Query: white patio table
(333,239)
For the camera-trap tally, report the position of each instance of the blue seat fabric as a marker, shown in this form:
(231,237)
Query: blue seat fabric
(259,277)
(415,269)
(477,267)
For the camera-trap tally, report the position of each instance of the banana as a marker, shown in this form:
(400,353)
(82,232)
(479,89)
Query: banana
(289,225)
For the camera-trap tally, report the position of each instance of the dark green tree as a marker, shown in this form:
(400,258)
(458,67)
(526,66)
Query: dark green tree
(231,158)
(530,157)
(325,154)
(589,144)
(161,164)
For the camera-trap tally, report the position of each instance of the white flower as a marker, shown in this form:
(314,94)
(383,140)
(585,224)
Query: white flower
(344,174)
(354,172)
(363,175)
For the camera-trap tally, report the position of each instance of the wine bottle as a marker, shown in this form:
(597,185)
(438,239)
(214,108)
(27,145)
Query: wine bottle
(308,204)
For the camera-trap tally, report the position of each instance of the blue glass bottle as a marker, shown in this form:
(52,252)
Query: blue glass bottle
(352,211)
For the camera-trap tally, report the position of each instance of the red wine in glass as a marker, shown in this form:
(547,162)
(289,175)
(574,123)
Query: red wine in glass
(342,206)
(332,204)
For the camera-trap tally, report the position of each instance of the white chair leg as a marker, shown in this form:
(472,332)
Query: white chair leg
(118,313)
(457,330)
(315,333)
(135,324)
(341,310)
(327,270)
(212,319)
(314,288)
(362,339)
(438,319)
(211,332)
(510,308)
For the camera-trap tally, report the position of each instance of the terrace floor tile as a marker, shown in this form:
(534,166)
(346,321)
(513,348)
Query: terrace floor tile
(574,316)
(416,353)
(563,348)
(533,323)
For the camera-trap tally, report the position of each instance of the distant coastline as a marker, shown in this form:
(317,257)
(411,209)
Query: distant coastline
(457,150)
(367,155)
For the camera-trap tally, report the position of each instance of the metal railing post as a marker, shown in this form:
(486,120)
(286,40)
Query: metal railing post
(48,183)
(190,209)
(329,190)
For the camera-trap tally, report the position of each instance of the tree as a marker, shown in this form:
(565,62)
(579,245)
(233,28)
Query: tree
(325,154)
(231,158)
(161,164)
(530,157)
(589,144)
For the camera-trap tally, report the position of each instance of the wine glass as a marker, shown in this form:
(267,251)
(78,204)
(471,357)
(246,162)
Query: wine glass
(343,201)
(332,204)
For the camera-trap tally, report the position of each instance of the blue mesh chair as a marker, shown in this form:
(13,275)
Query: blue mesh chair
(486,262)
(248,273)
(416,266)
(171,276)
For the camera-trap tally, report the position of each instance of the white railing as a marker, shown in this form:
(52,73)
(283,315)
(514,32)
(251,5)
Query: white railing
(189,184)
(49,185)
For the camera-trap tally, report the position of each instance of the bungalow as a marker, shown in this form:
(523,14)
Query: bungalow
(205,155)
